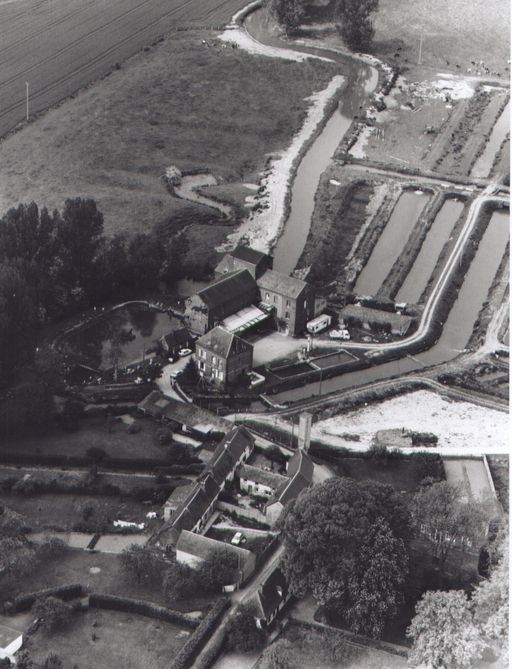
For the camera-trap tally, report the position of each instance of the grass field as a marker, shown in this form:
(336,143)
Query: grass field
(105,639)
(182,103)
(454,33)
(112,437)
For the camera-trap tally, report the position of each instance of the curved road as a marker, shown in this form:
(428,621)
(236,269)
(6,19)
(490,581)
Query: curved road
(59,46)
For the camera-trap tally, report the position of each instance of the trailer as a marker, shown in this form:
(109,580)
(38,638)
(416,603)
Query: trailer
(319,323)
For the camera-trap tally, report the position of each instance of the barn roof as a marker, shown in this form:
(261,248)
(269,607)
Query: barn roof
(226,287)
(283,284)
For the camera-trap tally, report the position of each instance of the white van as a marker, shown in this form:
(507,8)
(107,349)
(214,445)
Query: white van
(319,323)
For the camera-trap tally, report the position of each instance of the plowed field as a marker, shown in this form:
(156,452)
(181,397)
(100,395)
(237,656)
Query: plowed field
(58,46)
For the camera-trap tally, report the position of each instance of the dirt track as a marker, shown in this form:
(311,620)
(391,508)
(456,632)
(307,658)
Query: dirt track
(58,46)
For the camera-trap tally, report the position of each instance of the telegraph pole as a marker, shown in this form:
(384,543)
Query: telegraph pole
(421,48)
(27,114)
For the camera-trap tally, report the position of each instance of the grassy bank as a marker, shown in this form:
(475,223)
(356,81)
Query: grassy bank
(181,102)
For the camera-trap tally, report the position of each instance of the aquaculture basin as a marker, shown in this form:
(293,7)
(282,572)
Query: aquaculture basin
(391,242)
(439,233)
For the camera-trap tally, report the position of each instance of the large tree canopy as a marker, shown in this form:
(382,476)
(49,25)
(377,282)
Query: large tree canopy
(443,632)
(354,23)
(346,542)
(288,13)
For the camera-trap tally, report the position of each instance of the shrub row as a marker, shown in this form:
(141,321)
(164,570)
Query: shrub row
(132,464)
(142,608)
(200,637)
(24,603)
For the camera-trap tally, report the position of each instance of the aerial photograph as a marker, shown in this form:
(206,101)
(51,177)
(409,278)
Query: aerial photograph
(254,334)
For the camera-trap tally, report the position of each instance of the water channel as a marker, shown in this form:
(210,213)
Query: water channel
(391,242)
(439,233)
(360,80)
(456,331)
(484,163)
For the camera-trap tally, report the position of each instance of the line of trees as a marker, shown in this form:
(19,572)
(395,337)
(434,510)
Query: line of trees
(353,19)
(54,264)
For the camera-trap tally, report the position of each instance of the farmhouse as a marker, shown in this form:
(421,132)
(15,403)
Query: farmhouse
(225,296)
(195,510)
(299,472)
(243,257)
(223,358)
(375,319)
(193,549)
(293,300)
(259,482)
(271,597)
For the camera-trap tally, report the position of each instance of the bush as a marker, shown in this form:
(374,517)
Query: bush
(242,633)
(143,608)
(96,454)
(180,582)
(134,428)
(53,613)
(163,436)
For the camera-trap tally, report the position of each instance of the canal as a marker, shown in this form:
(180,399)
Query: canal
(456,331)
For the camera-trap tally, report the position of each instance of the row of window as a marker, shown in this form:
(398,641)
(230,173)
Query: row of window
(216,362)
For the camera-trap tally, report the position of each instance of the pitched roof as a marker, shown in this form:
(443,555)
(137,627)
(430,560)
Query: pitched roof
(283,284)
(272,593)
(160,406)
(258,475)
(300,476)
(179,494)
(203,547)
(369,315)
(223,289)
(222,343)
(229,451)
(247,254)
(196,503)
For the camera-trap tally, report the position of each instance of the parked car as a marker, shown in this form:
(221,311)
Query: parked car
(238,539)
(183,352)
(339,334)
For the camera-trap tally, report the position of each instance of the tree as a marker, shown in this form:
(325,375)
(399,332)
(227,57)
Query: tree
(275,454)
(180,582)
(219,569)
(376,586)
(443,632)
(190,375)
(142,562)
(23,660)
(288,13)
(52,612)
(173,266)
(442,513)
(242,634)
(72,412)
(338,536)
(354,23)
(491,597)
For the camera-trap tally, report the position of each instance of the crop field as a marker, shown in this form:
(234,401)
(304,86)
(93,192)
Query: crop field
(58,46)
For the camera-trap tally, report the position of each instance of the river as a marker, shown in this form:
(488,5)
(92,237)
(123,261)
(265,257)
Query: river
(456,331)
(361,80)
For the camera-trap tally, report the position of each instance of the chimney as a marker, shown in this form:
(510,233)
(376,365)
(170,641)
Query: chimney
(305,431)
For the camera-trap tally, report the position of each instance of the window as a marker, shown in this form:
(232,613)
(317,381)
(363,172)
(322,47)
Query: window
(214,360)
(221,376)
(287,315)
(275,298)
(201,365)
(267,296)
(287,303)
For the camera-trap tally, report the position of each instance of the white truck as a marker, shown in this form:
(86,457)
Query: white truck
(319,323)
